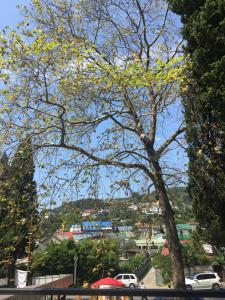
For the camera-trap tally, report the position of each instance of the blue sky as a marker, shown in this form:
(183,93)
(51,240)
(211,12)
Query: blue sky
(9,13)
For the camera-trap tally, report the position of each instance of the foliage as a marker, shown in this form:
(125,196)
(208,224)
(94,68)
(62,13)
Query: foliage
(5,216)
(96,259)
(182,204)
(204,103)
(132,263)
(96,82)
(164,263)
(19,215)
(24,193)
(56,259)
(194,255)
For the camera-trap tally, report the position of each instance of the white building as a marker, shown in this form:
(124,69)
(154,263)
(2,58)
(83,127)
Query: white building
(75,228)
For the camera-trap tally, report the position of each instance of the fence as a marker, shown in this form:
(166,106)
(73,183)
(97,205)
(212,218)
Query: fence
(40,280)
(165,294)
(32,292)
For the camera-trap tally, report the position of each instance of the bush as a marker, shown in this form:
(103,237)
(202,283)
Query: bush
(164,263)
(132,263)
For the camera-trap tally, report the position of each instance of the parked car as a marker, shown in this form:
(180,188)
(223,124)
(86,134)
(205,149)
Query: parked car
(169,298)
(130,280)
(204,280)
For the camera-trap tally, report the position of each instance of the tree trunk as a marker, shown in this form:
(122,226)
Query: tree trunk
(11,275)
(171,231)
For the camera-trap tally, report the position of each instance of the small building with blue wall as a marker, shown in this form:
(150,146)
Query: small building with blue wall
(96,225)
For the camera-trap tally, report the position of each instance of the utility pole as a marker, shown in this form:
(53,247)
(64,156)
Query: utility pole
(75,269)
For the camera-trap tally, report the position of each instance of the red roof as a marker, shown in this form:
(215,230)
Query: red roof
(165,250)
(68,234)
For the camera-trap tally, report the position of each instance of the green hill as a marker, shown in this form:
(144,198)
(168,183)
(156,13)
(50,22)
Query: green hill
(70,212)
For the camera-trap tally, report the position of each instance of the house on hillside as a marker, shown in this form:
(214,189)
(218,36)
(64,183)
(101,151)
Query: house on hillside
(76,228)
(151,208)
(87,213)
(133,207)
(184,231)
(151,245)
(89,226)
(64,235)
(43,243)
(165,249)
(102,213)
(106,225)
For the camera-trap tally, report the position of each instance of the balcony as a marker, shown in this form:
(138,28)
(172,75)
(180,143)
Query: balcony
(38,293)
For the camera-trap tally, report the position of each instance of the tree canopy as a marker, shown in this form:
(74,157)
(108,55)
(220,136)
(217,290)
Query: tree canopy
(96,259)
(204,103)
(18,206)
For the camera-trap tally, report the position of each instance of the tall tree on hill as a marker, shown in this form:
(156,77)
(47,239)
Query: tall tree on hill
(97,83)
(20,218)
(204,103)
(5,204)
(24,193)
(4,182)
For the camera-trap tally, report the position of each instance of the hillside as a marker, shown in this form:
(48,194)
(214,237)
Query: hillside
(118,209)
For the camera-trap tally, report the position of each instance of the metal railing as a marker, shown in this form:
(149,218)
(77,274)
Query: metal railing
(66,293)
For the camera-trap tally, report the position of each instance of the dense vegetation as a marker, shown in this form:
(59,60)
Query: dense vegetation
(96,259)
(18,207)
(192,253)
(204,103)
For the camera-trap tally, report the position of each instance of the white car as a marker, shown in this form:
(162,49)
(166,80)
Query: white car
(130,280)
(204,280)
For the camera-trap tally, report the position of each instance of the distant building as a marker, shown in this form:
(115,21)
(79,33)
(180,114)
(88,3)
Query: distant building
(125,228)
(152,245)
(96,225)
(76,228)
(133,207)
(106,225)
(87,212)
(64,235)
(151,209)
(184,231)
(165,249)
(102,213)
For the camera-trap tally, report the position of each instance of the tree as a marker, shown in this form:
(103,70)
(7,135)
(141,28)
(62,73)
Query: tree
(56,259)
(204,105)
(194,255)
(5,203)
(96,259)
(24,193)
(19,207)
(132,263)
(96,83)
(164,263)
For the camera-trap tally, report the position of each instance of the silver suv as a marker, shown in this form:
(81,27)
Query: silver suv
(130,280)
(204,280)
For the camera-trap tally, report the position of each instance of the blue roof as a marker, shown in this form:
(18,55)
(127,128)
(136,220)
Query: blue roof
(91,223)
(105,223)
(184,226)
